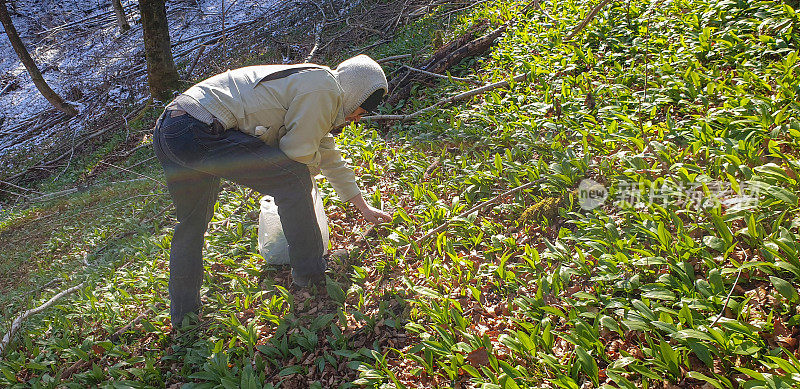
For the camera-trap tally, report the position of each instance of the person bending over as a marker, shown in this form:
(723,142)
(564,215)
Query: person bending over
(265,127)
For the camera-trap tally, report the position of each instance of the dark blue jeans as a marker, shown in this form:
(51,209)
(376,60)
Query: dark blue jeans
(194,159)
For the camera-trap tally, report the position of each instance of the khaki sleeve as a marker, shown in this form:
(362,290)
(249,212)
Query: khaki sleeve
(310,116)
(308,122)
(335,169)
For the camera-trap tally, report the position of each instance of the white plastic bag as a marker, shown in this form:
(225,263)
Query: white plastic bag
(271,241)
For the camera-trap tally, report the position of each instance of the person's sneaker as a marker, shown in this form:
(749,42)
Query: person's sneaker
(308,281)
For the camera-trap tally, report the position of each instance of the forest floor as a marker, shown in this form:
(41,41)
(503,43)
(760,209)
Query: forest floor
(655,243)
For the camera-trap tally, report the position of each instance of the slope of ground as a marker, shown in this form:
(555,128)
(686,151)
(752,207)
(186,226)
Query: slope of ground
(656,244)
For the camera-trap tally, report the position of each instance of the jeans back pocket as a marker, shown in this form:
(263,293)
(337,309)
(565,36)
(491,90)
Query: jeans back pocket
(180,142)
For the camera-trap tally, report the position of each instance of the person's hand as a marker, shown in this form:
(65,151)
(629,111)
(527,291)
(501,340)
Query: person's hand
(375,215)
(371,214)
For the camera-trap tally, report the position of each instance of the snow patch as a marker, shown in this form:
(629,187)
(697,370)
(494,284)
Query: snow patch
(89,61)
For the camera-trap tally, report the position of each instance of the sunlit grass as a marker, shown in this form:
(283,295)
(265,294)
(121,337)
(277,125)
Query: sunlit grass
(675,98)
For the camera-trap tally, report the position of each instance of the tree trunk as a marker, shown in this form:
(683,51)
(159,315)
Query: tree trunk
(26,59)
(161,73)
(122,21)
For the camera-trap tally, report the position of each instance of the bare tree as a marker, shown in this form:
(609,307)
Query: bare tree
(122,21)
(162,77)
(33,70)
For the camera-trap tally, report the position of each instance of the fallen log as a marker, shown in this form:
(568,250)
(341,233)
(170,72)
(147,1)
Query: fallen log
(400,85)
(448,56)
(472,48)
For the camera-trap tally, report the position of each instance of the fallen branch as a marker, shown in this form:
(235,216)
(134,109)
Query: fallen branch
(393,58)
(728,299)
(587,19)
(80,21)
(194,62)
(367,47)
(133,172)
(474,209)
(399,87)
(317,33)
(51,282)
(50,163)
(142,161)
(436,75)
(313,52)
(116,335)
(459,97)
(19,187)
(363,27)
(461,9)
(66,192)
(76,367)
(216,33)
(15,325)
(7,87)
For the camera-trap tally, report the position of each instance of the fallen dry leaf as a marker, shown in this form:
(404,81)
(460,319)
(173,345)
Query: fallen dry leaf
(478,357)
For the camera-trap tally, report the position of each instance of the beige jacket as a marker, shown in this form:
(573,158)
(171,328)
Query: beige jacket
(295,113)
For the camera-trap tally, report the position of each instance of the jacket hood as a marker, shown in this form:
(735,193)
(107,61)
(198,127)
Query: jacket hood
(359,77)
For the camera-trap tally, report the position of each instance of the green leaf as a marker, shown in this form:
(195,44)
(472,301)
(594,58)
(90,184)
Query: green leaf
(620,380)
(588,365)
(784,288)
(204,375)
(335,291)
(783,195)
(722,229)
(702,352)
(701,377)
(714,243)
(289,370)
(427,292)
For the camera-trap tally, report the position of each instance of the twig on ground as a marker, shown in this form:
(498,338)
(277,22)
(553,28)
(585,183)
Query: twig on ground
(436,75)
(43,287)
(76,367)
(7,87)
(461,9)
(317,34)
(474,209)
(79,21)
(66,192)
(142,161)
(363,27)
(394,58)
(51,163)
(20,195)
(133,172)
(459,97)
(15,325)
(728,299)
(399,17)
(367,47)
(194,62)
(19,187)
(116,335)
(588,19)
